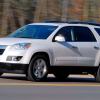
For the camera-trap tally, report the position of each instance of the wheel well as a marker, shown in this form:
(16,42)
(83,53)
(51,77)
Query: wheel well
(43,54)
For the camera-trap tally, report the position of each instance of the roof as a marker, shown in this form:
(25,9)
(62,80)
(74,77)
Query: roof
(58,23)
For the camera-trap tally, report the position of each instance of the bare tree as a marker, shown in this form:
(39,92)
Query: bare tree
(47,10)
(65,4)
(5,17)
(15,14)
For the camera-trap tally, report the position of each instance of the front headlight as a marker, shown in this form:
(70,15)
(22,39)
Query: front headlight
(20,46)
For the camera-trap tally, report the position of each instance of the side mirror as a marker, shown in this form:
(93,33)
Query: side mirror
(59,38)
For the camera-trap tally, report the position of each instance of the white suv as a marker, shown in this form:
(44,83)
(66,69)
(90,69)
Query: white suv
(59,48)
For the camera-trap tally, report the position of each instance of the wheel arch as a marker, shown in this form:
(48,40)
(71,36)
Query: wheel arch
(43,54)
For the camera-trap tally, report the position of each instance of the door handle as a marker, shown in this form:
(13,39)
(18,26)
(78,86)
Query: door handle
(96,47)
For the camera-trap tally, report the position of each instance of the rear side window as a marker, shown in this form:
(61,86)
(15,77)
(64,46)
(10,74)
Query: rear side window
(83,34)
(97,30)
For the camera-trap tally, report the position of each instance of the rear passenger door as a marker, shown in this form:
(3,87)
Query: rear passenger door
(87,45)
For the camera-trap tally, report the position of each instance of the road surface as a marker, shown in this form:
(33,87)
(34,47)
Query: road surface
(17,87)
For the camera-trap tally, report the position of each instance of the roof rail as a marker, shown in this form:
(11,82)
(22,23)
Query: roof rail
(54,21)
(84,22)
(75,22)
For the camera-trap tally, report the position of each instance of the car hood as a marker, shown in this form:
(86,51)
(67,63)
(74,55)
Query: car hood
(11,41)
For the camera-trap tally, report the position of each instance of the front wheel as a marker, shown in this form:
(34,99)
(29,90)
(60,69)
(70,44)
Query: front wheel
(38,68)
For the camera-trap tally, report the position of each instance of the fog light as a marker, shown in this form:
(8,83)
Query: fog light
(14,58)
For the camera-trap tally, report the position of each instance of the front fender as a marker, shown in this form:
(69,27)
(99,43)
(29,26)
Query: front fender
(29,54)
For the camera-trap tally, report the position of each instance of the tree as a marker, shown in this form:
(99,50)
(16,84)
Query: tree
(15,13)
(47,10)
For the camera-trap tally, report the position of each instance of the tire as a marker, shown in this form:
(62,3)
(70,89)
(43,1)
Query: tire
(1,74)
(98,75)
(38,68)
(61,75)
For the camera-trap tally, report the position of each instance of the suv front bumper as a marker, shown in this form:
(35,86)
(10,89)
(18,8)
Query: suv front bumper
(13,68)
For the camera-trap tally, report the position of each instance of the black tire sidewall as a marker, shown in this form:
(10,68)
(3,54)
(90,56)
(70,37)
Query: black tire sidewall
(1,74)
(98,75)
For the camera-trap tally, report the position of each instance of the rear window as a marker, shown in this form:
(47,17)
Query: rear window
(97,30)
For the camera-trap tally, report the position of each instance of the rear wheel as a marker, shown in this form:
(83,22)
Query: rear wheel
(98,75)
(1,74)
(38,68)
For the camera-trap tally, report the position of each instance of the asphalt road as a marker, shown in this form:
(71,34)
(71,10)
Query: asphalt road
(16,87)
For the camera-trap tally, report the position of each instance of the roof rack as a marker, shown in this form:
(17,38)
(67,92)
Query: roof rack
(75,22)
(54,21)
(84,22)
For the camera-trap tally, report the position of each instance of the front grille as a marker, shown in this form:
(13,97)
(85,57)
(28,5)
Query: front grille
(1,51)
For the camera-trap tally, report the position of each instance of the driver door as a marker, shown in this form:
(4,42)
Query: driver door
(65,52)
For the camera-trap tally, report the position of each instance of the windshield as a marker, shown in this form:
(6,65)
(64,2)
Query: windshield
(34,31)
